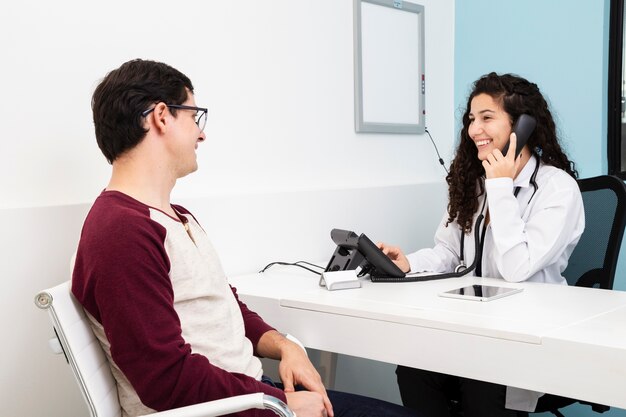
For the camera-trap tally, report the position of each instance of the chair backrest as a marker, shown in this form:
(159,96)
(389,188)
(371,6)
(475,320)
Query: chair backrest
(594,260)
(82,350)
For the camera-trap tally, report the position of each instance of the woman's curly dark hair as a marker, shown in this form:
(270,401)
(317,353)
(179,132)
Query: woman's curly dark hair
(517,96)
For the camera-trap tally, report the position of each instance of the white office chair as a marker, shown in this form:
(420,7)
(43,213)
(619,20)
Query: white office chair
(91,369)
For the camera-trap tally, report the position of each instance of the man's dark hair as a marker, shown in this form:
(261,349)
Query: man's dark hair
(125,93)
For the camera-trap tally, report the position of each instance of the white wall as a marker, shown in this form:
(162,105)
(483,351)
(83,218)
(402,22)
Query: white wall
(277,77)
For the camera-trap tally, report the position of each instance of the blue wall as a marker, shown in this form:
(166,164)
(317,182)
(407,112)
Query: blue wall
(558,46)
(561,45)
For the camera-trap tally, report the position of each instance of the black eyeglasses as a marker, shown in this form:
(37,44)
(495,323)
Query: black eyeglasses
(201,113)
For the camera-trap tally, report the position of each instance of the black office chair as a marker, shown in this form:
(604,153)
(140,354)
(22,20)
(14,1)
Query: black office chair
(594,260)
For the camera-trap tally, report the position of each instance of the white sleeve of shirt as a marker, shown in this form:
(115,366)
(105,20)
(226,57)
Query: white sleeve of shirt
(525,246)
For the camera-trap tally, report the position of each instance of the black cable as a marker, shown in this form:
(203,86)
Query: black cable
(309,263)
(437,150)
(293,264)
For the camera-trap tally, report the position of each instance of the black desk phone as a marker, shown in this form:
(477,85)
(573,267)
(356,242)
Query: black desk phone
(354,251)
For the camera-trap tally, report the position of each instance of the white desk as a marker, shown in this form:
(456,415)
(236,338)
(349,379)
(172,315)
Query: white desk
(564,340)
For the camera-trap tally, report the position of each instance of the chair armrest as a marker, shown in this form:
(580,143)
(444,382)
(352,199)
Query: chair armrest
(55,346)
(229,406)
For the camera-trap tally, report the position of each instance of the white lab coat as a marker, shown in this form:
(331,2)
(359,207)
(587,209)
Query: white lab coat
(527,239)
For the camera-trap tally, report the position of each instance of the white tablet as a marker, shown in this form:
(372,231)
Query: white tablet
(480,292)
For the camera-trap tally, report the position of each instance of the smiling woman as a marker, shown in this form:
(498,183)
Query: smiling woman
(498,100)
(533,219)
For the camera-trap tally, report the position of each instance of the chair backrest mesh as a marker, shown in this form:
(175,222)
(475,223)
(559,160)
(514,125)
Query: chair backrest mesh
(591,249)
(598,248)
(84,353)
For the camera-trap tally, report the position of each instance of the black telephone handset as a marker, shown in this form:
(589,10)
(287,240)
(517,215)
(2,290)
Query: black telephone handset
(523,128)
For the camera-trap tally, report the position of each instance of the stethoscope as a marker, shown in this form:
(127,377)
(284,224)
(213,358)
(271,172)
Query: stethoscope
(479,239)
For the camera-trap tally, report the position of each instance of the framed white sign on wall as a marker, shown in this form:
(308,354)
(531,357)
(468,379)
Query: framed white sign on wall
(389,66)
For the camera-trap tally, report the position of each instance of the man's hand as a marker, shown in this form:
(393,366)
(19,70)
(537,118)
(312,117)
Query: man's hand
(306,404)
(497,165)
(295,368)
(396,255)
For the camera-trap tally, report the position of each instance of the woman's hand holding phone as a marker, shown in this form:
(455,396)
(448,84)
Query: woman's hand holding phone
(505,163)
(497,165)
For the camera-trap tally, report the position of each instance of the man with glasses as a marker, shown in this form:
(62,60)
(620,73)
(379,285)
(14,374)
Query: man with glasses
(152,285)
